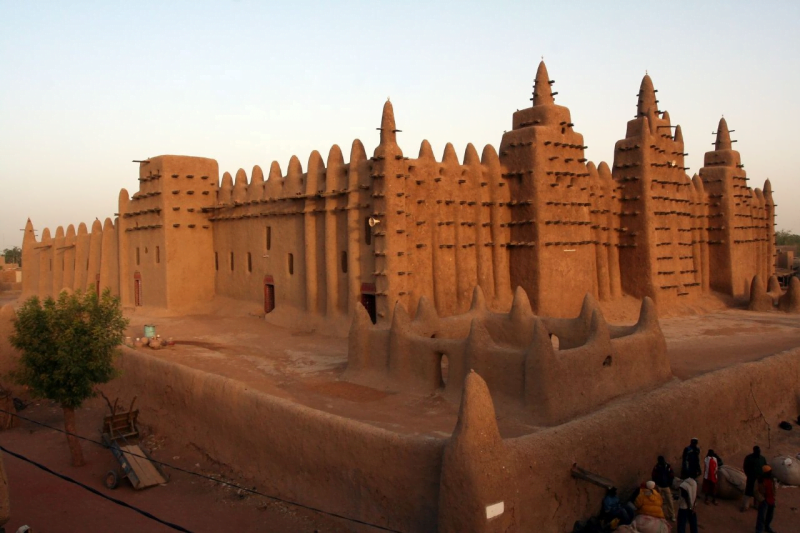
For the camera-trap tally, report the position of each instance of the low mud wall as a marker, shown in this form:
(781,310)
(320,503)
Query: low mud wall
(727,410)
(328,462)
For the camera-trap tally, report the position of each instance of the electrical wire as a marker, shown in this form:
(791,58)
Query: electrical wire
(219,481)
(94,491)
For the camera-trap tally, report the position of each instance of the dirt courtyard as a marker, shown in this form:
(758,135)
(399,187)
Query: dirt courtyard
(304,367)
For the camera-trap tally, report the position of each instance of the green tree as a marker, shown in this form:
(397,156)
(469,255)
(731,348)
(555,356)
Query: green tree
(787,238)
(67,346)
(13,255)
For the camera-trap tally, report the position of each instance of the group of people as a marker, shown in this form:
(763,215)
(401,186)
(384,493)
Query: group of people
(655,497)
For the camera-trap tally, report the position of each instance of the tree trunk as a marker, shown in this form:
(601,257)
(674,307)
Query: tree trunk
(74,444)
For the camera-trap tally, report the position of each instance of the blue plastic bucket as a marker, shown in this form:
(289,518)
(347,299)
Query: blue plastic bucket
(149,331)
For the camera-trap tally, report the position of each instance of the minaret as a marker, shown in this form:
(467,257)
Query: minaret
(390,234)
(656,215)
(545,169)
(739,219)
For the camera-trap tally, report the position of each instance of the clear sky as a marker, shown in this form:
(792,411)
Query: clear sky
(85,87)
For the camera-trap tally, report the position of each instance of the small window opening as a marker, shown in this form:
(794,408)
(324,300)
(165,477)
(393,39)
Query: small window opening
(137,256)
(554,340)
(269,237)
(216,260)
(249,262)
(158,254)
(291,264)
(231,261)
(344,262)
(87,263)
(607,361)
(367,231)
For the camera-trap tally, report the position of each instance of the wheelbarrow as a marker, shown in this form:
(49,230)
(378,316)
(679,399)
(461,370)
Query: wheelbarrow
(121,436)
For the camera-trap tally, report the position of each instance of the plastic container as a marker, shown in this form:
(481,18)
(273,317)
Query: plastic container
(149,331)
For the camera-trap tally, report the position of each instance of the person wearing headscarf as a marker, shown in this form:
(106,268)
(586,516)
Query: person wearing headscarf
(649,501)
(710,477)
(686,506)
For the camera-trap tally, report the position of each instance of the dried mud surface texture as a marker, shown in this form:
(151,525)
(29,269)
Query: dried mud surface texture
(302,454)
(622,440)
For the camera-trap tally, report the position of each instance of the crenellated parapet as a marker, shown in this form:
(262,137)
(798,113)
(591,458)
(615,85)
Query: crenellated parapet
(514,352)
(319,243)
(70,260)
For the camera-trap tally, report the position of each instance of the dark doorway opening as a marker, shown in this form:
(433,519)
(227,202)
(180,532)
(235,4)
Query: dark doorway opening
(137,289)
(269,297)
(368,301)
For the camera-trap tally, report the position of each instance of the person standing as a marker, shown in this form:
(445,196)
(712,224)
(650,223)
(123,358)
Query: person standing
(753,465)
(766,509)
(690,465)
(663,476)
(686,506)
(710,476)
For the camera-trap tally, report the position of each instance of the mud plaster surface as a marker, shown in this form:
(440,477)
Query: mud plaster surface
(304,367)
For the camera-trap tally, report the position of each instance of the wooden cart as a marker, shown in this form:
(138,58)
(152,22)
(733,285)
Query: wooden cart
(121,436)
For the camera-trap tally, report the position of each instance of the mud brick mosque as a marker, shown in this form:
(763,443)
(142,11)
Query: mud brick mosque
(391,229)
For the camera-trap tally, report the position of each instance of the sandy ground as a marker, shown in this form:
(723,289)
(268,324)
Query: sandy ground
(51,505)
(304,366)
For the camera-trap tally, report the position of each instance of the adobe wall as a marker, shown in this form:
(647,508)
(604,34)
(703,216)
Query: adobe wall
(514,354)
(531,474)
(537,215)
(317,217)
(622,442)
(297,453)
(72,260)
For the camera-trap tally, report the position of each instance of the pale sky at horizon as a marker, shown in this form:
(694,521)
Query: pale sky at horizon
(86,87)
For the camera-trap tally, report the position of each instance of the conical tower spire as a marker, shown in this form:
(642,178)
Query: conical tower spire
(388,128)
(723,136)
(647,96)
(542,94)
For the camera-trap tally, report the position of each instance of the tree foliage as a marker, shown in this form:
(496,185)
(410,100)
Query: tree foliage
(67,346)
(13,255)
(787,238)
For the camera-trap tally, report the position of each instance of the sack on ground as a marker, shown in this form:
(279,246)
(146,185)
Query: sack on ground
(731,483)
(786,469)
(648,524)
